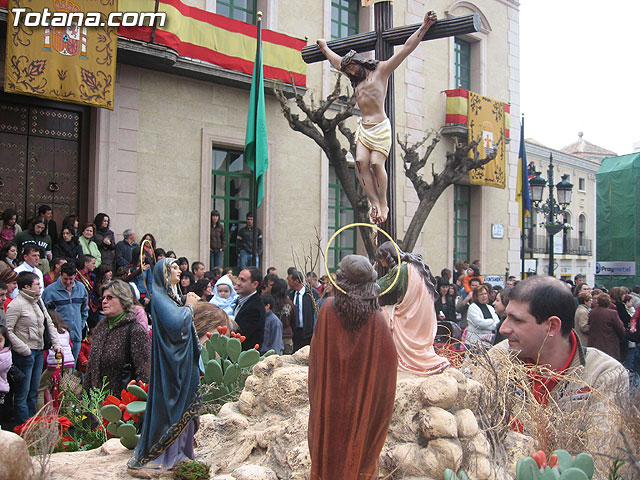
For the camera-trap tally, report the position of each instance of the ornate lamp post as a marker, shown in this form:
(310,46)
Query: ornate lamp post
(550,208)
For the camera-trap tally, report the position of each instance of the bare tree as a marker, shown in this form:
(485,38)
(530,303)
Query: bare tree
(323,129)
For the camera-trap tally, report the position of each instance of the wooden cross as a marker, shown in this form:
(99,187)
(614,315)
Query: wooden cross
(383,39)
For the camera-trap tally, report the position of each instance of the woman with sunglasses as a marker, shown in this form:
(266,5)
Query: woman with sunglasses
(120,346)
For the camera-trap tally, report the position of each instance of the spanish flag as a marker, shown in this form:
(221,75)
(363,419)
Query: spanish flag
(523,195)
(222,41)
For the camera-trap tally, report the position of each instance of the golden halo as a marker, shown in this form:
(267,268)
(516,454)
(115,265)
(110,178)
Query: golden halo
(339,231)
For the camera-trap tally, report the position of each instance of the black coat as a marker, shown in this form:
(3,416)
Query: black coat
(308,312)
(72,250)
(251,318)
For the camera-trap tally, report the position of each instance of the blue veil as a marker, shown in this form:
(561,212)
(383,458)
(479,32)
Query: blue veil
(174,382)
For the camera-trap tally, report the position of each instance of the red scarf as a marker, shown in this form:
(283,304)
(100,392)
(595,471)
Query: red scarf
(542,385)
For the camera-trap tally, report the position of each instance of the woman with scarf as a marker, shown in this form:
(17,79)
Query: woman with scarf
(224,295)
(68,247)
(88,244)
(482,319)
(412,315)
(120,346)
(105,239)
(174,383)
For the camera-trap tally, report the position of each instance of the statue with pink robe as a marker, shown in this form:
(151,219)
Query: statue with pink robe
(412,315)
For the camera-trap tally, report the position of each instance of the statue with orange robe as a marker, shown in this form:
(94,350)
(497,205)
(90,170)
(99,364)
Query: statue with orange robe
(412,316)
(352,378)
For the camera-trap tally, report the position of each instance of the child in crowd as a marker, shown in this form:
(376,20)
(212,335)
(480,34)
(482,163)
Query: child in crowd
(5,362)
(272,328)
(224,295)
(67,363)
(83,356)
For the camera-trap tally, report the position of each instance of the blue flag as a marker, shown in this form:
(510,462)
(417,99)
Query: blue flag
(523,195)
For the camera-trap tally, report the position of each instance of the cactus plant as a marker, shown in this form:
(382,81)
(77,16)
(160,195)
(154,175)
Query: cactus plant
(561,466)
(225,362)
(451,475)
(115,411)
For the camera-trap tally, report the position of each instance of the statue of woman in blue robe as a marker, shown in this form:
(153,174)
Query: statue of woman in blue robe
(174,383)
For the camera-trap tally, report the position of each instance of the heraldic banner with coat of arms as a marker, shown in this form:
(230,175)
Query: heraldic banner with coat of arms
(69,63)
(487,120)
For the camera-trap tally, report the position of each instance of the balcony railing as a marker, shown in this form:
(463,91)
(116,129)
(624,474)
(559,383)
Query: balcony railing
(570,246)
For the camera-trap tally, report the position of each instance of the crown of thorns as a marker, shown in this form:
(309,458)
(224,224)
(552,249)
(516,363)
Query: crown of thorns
(346,60)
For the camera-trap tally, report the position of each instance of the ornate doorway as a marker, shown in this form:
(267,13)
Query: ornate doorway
(42,159)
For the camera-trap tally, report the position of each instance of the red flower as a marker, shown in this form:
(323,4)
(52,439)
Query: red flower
(63,422)
(222,330)
(209,334)
(541,458)
(553,460)
(256,346)
(111,400)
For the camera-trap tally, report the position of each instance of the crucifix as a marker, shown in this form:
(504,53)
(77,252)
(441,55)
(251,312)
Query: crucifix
(383,39)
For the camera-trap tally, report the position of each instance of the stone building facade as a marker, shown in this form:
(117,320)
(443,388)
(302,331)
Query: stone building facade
(168,152)
(574,247)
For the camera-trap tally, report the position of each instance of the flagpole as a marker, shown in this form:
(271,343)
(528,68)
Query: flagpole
(523,173)
(254,205)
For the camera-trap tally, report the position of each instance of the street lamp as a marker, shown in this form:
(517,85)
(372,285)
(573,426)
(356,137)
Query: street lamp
(550,208)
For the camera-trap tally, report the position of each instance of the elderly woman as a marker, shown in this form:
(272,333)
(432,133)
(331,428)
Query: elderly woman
(481,317)
(174,384)
(120,346)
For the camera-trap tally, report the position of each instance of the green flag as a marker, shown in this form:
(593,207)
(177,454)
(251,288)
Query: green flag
(255,144)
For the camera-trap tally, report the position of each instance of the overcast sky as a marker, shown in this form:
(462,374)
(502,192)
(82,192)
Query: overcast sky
(580,71)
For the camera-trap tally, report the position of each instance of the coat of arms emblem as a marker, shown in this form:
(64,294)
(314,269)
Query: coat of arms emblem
(70,39)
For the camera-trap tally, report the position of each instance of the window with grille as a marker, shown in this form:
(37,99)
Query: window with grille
(243,10)
(462,64)
(344,18)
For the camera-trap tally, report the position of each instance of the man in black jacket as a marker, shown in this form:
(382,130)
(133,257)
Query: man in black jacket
(249,311)
(244,241)
(306,315)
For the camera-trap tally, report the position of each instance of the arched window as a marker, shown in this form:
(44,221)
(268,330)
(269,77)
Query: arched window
(582,227)
(566,233)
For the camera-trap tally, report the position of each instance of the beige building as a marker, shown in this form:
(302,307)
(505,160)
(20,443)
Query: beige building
(574,247)
(170,151)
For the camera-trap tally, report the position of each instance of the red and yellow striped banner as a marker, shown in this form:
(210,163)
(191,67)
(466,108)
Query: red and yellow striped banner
(457,106)
(219,40)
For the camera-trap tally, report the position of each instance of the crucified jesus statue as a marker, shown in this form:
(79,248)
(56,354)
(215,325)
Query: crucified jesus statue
(369,79)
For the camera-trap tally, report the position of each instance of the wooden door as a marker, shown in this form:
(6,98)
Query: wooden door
(39,160)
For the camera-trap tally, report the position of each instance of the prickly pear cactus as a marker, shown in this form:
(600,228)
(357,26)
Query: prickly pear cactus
(226,366)
(451,475)
(116,414)
(561,466)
